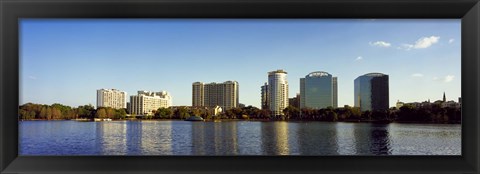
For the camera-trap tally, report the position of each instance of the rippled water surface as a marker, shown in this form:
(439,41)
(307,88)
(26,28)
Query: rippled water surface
(236,138)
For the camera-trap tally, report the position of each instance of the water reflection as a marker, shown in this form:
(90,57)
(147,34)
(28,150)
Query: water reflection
(134,137)
(236,138)
(249,138)
(275,138)
(320,136)
(182,143)
(214,138)
(380,142)
(111,138)
(344,141)
(372,139)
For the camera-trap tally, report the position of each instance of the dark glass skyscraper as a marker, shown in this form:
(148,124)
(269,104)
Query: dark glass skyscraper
(371,92)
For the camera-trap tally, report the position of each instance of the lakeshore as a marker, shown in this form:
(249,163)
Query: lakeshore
(405,114)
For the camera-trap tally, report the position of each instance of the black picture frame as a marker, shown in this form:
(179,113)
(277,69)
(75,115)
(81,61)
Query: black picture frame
(466,10)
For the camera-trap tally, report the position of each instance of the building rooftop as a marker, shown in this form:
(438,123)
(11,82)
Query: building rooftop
(375,74)
(277,71)
(318,74)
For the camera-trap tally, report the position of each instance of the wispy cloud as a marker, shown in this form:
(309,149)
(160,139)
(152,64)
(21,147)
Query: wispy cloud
(32,77)
(359,58)
(445,79)
(451,41)
(417,75)
(380,44)
(421,43)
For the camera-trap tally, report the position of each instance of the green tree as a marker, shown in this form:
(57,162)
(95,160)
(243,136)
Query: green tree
(181,113)
(163,113)
(291,112)
(120,114)
(101,113)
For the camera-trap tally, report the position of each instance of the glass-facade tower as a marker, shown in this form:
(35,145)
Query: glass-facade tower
(318,90)
(371,92)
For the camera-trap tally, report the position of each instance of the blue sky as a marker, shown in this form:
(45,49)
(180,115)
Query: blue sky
(67,60)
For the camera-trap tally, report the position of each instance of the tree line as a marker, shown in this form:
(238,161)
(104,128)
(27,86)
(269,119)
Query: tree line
(407,113)
(31,111)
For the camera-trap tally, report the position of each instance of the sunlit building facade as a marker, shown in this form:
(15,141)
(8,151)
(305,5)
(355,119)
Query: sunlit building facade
(111,98)
(146,102)
(277,91)
(318,90)
(371,92)
(198,94)
(214,94)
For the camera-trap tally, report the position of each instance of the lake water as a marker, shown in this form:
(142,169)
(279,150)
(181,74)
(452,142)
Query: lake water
(236,138)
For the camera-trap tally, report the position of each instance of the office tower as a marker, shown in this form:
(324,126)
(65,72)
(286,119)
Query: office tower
(264,97)
(371,92)
(277,91)
(214,94)
(111,98)
(318,90)
(146,102)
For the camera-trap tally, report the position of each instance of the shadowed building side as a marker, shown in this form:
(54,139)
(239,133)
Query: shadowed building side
(371,92)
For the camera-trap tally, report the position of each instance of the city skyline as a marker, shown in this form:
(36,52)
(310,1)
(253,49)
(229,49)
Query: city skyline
(61,56)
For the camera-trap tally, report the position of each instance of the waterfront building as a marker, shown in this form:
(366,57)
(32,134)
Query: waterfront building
(198,94)
(146,102)
(427,104)
(318,90)
(214,94)
(264,98)
(371,92)
(295,101)
(335,92)
(111,98)
(277,91)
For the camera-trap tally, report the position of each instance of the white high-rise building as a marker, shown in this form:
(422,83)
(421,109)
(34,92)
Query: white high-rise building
(111,98)
(146,102)
(277,91)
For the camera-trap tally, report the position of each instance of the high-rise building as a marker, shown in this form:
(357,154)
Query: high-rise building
(213,94)
(335,92)
(371,92)
(264,98)
(277,91)
(111,98)
(318,90)
(146,102)
(198,94)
